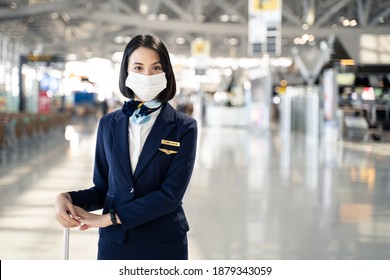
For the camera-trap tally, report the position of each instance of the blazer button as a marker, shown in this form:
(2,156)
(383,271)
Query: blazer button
(131,190)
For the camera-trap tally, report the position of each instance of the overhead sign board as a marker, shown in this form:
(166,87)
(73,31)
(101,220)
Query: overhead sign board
(265,21)
(55,61)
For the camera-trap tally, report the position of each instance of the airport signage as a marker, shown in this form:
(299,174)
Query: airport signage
(264,27)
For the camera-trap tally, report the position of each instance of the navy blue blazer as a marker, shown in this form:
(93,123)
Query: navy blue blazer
(149,201)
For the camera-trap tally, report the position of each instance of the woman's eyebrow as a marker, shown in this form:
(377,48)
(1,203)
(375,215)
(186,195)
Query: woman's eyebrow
(140,63)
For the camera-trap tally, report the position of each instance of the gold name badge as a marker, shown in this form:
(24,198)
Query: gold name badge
(170,143)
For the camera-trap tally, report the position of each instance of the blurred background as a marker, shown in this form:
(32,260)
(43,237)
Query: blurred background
(291,98)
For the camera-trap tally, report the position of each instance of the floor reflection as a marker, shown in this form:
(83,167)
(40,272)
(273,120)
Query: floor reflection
(262,196)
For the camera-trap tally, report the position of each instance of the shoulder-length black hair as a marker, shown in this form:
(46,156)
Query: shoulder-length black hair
(151,42)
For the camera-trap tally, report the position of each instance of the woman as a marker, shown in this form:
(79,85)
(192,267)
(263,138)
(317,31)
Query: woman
(144,159)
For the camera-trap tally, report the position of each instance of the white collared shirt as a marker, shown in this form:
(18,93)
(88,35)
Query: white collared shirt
(137,137)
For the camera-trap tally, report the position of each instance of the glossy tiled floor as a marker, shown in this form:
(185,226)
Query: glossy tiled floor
(253,195)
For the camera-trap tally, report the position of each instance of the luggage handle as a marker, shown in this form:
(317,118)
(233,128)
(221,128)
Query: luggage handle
(66,243)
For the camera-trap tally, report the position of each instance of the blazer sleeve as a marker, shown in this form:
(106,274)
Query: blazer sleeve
(169,196)
(93,198)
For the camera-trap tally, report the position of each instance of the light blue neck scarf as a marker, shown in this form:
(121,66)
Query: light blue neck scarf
(142,114)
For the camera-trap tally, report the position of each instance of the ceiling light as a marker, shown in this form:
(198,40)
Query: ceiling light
(180,41)
(119,39)
(353,22)
(224,18)
(144,8)
(297,41)
(71,57)
(162,17)
(305,37)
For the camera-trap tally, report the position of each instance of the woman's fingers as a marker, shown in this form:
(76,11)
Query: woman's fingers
(73,212)
(84,227)
(67,222)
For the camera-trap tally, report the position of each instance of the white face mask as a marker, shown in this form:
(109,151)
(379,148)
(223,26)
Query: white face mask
(146,87)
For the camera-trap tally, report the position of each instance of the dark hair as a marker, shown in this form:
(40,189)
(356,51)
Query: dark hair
(151,42)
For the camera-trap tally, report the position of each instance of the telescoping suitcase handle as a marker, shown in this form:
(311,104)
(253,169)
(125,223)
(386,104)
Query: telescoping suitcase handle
(66,243)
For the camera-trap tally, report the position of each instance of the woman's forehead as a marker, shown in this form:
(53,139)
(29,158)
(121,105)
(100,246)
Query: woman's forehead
(144,56)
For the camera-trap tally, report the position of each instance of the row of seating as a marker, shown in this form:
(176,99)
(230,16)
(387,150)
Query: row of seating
(17,127)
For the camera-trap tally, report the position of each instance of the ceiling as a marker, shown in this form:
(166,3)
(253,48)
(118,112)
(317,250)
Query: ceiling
(89,28)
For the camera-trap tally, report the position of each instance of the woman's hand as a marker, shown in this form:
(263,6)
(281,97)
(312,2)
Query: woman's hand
(90,220)
(66,214)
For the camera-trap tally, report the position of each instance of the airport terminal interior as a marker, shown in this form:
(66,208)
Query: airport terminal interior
(292,101)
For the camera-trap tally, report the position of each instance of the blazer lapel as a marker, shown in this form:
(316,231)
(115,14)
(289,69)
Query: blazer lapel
(120,134)
(160,130)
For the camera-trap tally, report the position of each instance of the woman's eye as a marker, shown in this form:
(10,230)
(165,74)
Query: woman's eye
(158,68)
